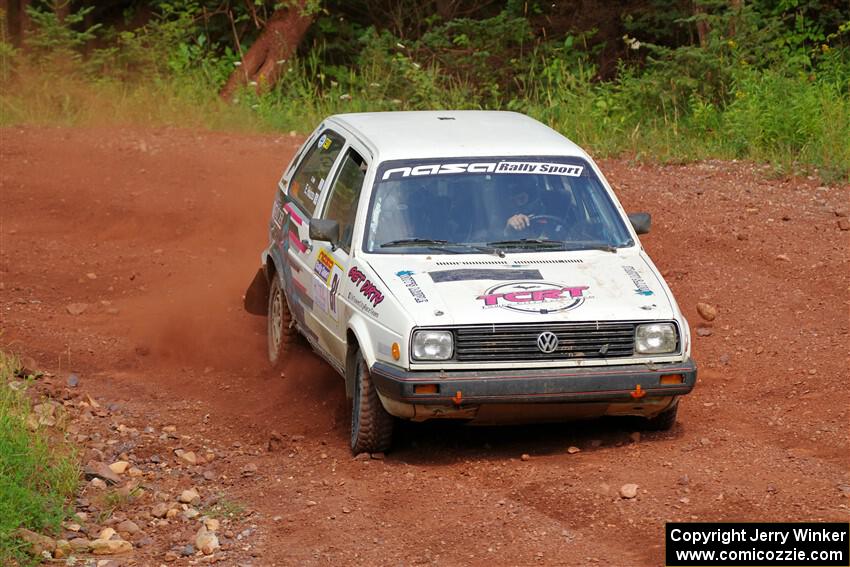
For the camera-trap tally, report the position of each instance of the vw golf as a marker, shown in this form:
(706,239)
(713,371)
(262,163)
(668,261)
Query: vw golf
(467,265)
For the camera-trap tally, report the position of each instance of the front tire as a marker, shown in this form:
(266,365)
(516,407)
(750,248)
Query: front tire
(664,421)
(280,331)
(371,425)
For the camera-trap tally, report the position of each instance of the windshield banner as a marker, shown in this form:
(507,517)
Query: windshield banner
(526,167)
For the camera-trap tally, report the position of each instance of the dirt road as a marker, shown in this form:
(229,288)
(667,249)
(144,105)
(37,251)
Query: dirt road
(158,233)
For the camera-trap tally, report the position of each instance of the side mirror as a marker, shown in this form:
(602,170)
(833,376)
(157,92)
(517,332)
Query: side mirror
(324,229)
(640,222)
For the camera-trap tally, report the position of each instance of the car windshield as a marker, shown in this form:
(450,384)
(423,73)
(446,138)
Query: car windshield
(480,205)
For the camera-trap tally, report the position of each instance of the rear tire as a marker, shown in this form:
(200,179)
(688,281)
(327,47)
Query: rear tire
(664,421)
(371,425)
(280,331)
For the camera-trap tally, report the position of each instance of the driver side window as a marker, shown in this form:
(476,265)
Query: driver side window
(310,178)
(345,195)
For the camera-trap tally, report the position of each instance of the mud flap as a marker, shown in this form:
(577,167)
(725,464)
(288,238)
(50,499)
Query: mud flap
(257,294)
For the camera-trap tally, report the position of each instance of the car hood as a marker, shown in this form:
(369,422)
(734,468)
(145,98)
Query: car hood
(569,286)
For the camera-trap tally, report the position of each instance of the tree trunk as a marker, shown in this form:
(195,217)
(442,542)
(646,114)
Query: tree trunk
(17,20)
(263,62)
(737,6)
(446,9)
(702,24)
(62,9)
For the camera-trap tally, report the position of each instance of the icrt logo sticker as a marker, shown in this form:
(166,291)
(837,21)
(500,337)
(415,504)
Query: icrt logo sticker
(534,297)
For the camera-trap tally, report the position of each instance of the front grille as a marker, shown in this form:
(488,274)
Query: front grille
(484,343)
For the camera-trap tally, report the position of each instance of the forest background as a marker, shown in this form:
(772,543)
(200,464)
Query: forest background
(666,80)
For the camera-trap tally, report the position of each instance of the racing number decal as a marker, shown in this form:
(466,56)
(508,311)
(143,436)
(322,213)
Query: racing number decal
(334,289)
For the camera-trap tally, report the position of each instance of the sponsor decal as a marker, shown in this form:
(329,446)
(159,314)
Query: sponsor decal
(525,167)
(640,285)
(537,167)
(468,274)
(413,287)
(324,142)
(534,297)
(369,290)
(324,266)
(362,305)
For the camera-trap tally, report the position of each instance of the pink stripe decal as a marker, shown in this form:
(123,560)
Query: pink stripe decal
(296,241)
(288,208)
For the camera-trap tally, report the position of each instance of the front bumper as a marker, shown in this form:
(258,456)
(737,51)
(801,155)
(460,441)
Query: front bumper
(624,383)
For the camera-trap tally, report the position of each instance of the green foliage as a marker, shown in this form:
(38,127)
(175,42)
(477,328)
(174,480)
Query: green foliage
(770,80)
(171,46)
(58,42)
(787,120)
(38,475)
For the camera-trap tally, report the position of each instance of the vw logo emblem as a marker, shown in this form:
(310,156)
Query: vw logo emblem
(547,342)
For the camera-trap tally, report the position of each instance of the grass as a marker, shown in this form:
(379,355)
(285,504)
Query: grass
(797,124)
(38,471)
(224,508)
(53,100)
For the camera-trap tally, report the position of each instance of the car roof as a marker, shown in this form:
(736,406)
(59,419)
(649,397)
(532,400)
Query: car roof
(454,133)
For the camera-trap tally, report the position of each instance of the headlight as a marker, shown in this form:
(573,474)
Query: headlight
(655,338)
(432,345)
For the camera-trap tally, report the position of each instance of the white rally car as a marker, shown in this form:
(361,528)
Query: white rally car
(469,265)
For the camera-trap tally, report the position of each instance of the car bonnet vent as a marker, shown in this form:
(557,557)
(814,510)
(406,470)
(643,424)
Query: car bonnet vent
(505,263)
(536,262)
(474,263)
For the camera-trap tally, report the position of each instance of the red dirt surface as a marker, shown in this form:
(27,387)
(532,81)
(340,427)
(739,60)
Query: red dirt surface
(171,224)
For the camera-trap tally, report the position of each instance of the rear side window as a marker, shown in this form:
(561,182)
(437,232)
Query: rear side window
(312,174)
(342,204)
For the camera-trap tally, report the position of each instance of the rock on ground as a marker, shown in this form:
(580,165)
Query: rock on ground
(707,311)
(38,543)
(110,546)
(629,491)
(206,541)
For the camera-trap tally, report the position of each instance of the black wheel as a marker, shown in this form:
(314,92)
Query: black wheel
(664,420)
(281,332)
(371,425)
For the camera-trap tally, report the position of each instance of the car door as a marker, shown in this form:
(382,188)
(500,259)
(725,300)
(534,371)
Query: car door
(308,184)
(331,261)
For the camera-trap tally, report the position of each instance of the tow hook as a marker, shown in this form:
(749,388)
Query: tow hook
(637,393)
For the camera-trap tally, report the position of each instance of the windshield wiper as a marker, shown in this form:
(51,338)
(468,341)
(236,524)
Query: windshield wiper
(528,243)
(440,245)
(603,246)
(414,242)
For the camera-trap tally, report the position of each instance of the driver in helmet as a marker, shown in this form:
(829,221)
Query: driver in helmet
(525,202)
